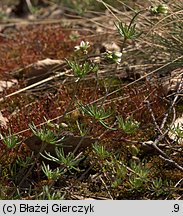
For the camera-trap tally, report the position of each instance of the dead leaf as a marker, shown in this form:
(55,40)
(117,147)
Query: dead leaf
(39,70)
(171,83)
(6,84)
(3,121)
(111,46)
(69,143)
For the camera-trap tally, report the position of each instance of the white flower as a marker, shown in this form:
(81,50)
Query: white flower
(160,9)
(163,8)
(77,48)
(84,44)
(114,56)
(83,47)
(118,54)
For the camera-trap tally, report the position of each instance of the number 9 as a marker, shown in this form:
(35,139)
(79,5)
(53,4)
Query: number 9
(176,208)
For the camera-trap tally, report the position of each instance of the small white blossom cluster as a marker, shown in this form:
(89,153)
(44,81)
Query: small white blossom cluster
(83,47)
(160,9)
(114,56)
